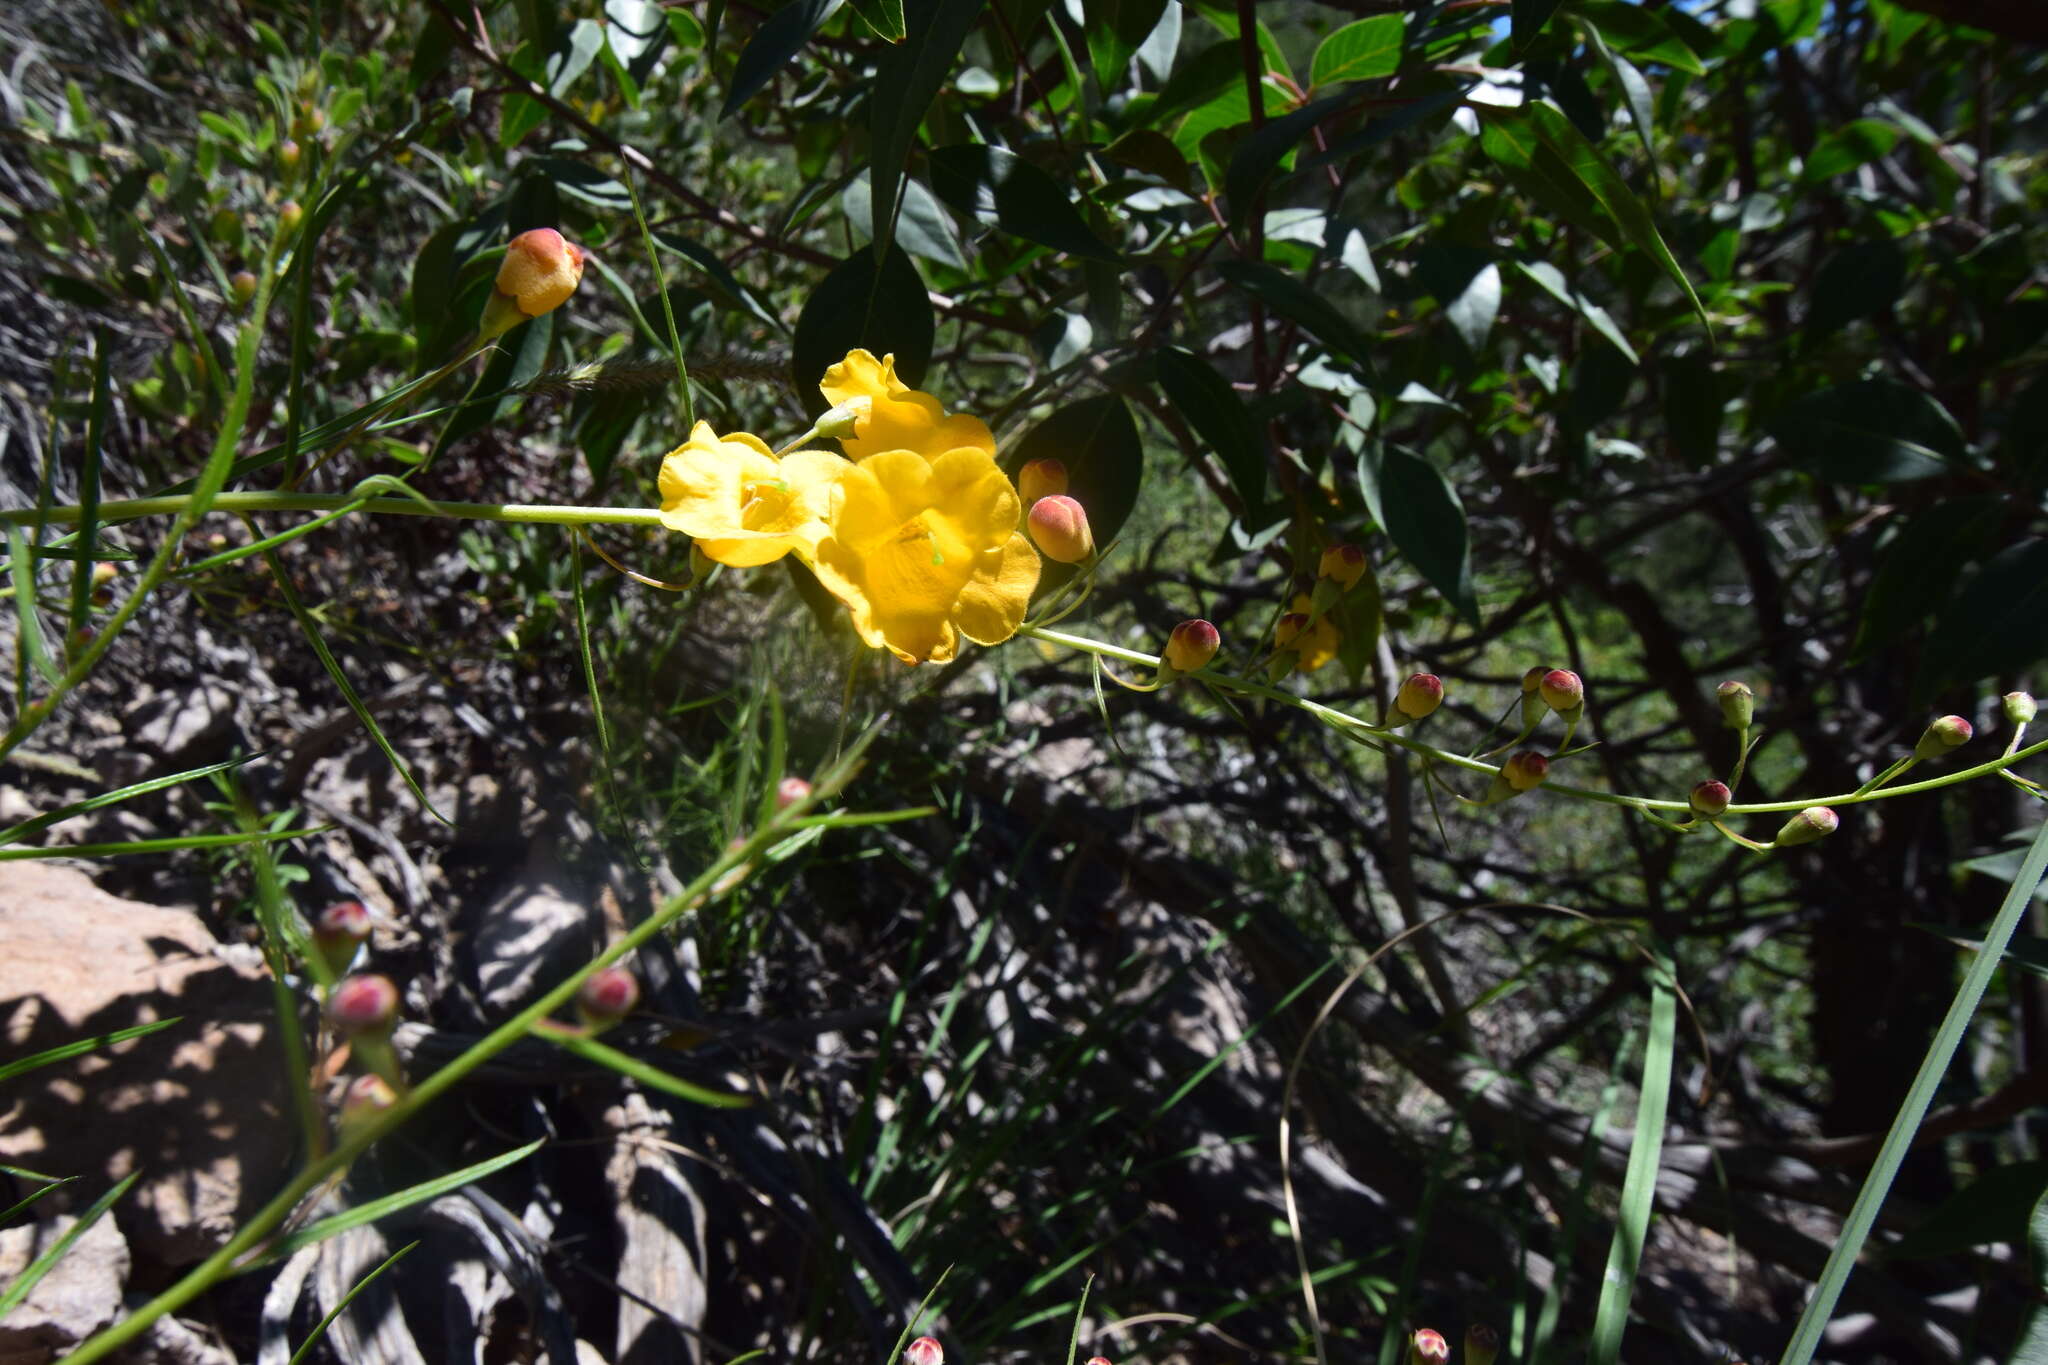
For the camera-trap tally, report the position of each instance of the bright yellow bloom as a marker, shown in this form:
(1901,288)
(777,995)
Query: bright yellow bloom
(1315,641)
(899,417)
(740,504)
(923,551)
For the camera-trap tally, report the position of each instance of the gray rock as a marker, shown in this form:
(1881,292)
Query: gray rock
(80,1295)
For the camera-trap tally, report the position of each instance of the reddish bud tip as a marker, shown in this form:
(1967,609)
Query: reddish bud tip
(290,215)
(925,1351)
(2019,708)
(1192,645)
(1482,1344)
(1429,1348)
(607,997)
(1290,628)
(1711,798)
(539,273)
(1562,690)
(243,286)
(1041,479)
(1419,696)
(1815,822)
(343,920)
(1738,704)
(1946,733)
(1059,526)
(288,154)
(1526,770)
(368,1095)
(363,1004)
(1098,1360)
(789,791)
(1345,564)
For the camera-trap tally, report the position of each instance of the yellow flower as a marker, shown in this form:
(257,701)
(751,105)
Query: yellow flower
(924,551)
(899,417)
(1314,640)
(740,504)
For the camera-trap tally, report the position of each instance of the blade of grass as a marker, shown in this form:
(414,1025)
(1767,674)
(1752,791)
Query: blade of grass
(320,1327)
(19,1290)
(282,943)
(652,1076)
(8,1216)
(668,311)
(37,824)
(1074,1342)
(15,855)
(1856,1228)
(1639,1184)
(911,1325)
(89,491)
(81,1046)
(348,691)
(21,567)
(361,1214)
(1575,1213)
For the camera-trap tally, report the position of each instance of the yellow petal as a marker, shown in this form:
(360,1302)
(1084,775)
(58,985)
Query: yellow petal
(741,505)
(992,605)
(899,417)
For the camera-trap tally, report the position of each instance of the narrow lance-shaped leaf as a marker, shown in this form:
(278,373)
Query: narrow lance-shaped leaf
(906,80)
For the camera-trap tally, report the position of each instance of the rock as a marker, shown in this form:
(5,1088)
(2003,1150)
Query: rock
(200,1108)
(179,725)
(80,1295)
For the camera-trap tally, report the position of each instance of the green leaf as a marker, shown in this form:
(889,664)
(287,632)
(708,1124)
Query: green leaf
(81,1046)
(2032,1347)
(86,535)
(2003,866)
(1639,1184)
(653,1077)
(285,1247)
(1361,51)
(1920,569)
(1869,431)
(44,1263)
(907,78)
(884,18)
(1254,159)
(1528,19)
(37,824)
(1220,418)
(725,285)
(1997,624)
(1003,190)
(1995,1207)
(1467,285)
(28,619)
(1098,442)
(922,227)
(1553,283)
(1847,147)
(1862,280)
(1298,303)
(1550,160)
(1420,510)
(879,307)
(1116,29)
(1637,30)
(775,43)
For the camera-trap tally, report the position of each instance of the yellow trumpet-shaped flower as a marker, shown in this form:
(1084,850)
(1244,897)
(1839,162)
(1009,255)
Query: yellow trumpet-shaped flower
(898,416)
(740,504)
(924,551)
(1313,638)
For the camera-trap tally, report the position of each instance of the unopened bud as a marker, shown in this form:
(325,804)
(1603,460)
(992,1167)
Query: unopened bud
(227,225)
(606,997)
(1289,630)
(1428,1348)
(1191,646)
(290,215)
(1098,1360)
(1525,770)
(1482,1344)
(925,1351)
(104,573)
(363,1005)
(368,1096)
(539,273)
(1815,822)
(2019,708)
(339,933)
(1345,564)
(288,155)
(1419,696)
(1738,704)
(1562,691)
(242,287)
(1059,525)
(1711,798)
(1946,733)
(789,791)
(1041,479)
(842,423)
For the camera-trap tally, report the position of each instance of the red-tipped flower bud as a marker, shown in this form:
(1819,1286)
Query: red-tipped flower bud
(1041,479)
(539,273)
(290,215)
(925,1351)
(363,1005)
(789,791)
(1946,733)
(1711,798)
(1562,691)
(288,155)
(607,997)
(1191,646)
(1098,1360)
(1059,525)
(1420,695)
(340,932)
(1815,822)
(1428,1348)
(1289,630)
(2019,708)
(1738,704)
(1345,564)
(1525,770)
(1482,1344)
(243,287)
(368,1095)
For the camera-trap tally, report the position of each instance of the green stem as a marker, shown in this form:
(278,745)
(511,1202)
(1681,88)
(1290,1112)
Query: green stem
(247,503)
